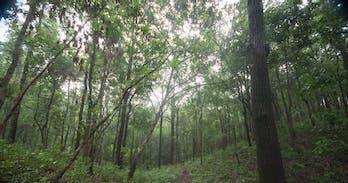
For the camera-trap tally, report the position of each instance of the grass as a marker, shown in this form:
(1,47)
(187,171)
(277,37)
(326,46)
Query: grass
(24,165)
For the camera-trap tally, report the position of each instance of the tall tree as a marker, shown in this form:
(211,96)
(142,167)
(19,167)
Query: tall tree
(17,51)
(14,122)
(269,162)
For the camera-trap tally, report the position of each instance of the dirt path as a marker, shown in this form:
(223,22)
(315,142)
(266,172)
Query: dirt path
(185,178)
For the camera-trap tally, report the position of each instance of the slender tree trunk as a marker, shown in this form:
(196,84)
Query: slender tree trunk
(13,126)
(310,112)
(45,127)
(344,55)
(123,117)
(123,121)
(287,110)
(148,136)
(62,140)
(235,144)
(201,133)
(172,131)
(177,137)
(132,147)
(269,161)
(290,120)
(82,105)
(115,140)
(66,137)
(160,142)
(17,51)
(246,126)
(89,138)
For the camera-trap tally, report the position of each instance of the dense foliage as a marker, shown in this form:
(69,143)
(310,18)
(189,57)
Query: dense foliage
(133,91)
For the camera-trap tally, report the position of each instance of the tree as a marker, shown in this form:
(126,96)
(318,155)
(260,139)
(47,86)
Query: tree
(269,162)
(16,52)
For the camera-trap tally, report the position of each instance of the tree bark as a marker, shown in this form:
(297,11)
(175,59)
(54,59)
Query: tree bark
(269,161)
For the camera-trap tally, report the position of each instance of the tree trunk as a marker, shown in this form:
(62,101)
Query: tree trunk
(147,138)
(13,126)
(200,133)
(344,55)
(121,132)
(269,161)
(32,82)
(288,114)
(89,138)
(62,140)
(160,142)
(172,131)
(177,137)
(246,126)
(310,112)
(17,51)
(83,99)
(45,126)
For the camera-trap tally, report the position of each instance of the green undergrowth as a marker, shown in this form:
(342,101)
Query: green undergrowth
(165,174)
(320,155)
(23,165)
(321,151)
(223,167)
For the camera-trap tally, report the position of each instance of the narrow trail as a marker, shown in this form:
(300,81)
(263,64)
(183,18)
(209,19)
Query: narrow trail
(185,178)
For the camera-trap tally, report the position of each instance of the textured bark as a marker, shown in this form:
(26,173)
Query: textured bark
(269,162)
(17,51)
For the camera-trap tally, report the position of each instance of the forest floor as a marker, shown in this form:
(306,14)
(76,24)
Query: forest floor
(185,178)
(322,157)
